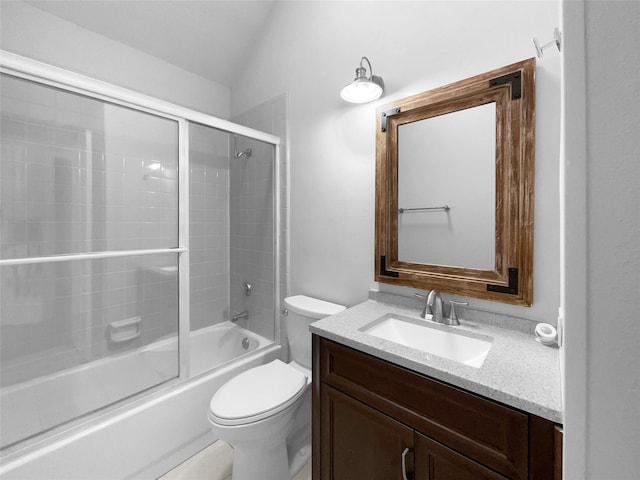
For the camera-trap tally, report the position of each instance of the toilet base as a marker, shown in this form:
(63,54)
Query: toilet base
(298,457)
(260,449)
(260,461)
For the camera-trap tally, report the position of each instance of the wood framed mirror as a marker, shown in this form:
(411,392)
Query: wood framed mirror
(455,187)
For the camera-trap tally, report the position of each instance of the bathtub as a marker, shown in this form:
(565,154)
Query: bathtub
(150,435)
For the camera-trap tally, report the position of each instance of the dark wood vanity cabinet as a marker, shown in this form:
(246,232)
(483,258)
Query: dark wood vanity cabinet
(368,412)
(364,443)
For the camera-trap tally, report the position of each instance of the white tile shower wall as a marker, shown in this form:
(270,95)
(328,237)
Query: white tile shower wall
(64,182)
(251,215)
(209,225)
(251,245)
(78,175)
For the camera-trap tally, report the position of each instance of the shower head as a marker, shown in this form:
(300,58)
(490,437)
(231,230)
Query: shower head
(244,153)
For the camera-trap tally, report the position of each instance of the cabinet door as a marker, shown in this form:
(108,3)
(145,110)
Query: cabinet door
(359,442)
(434,461)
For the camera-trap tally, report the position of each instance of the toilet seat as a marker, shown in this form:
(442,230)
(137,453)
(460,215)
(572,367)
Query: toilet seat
(257,393)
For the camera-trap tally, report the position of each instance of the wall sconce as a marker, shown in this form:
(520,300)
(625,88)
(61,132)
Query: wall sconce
(364,88)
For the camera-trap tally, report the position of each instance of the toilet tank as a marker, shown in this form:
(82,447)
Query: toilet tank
(302,311)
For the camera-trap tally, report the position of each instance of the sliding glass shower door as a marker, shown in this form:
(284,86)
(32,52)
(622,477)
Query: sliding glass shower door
(232,222)
(88,255)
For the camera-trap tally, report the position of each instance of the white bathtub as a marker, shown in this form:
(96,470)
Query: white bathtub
(215,345)
(151,435)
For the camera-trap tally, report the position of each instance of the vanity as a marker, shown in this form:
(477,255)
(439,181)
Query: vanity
(385,411)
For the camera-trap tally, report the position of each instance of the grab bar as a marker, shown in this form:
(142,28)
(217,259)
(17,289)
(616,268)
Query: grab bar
(446,208)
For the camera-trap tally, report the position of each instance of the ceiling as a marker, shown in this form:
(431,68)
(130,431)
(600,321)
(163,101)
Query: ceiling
(211,38)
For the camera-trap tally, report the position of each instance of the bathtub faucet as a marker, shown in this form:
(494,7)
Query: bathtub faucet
(240,316)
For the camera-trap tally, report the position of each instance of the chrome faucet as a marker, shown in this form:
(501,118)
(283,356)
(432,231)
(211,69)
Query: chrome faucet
(240,316)
(433,306)
(434,302)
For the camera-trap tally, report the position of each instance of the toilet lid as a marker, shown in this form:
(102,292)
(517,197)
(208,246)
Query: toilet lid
(257,393)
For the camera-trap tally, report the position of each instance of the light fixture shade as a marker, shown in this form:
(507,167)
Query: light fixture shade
(364,88)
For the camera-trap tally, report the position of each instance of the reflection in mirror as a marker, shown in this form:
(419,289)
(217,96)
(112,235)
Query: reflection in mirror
(436,169)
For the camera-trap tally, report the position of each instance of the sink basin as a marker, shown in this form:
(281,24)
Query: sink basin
(443,342)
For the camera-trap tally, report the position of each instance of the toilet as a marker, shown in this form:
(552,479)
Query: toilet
(264,413)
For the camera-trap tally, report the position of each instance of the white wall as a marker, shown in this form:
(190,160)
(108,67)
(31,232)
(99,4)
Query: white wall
(311,50)
(30,32)
(613,246)
(601,235)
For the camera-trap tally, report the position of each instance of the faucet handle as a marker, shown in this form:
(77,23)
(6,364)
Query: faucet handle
(453,317)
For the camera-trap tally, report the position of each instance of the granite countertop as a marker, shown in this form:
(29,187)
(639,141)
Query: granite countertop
(518,371)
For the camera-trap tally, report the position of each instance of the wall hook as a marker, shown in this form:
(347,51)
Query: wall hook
(540,48)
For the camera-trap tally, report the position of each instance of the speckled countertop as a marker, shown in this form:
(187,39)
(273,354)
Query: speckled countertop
(518,371)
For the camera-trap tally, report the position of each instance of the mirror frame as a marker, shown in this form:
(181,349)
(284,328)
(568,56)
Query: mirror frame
(512,88)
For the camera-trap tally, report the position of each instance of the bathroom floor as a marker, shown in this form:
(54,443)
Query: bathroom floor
(214,463)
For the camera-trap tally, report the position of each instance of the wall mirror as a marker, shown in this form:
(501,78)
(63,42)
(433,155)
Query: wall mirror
(454,187)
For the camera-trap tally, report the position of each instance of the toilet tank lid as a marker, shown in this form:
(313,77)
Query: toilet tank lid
(312,307)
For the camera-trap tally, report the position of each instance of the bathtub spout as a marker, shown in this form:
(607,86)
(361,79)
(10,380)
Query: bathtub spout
(240,316)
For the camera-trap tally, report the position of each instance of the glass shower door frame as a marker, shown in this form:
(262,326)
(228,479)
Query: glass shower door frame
(45,74)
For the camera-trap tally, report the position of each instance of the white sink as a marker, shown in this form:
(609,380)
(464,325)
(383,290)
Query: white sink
(440,341)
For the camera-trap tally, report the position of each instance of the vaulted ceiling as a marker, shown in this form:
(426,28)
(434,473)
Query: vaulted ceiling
(210,38)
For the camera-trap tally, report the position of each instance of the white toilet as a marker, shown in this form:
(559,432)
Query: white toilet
(264,413)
